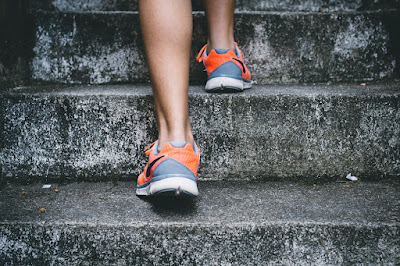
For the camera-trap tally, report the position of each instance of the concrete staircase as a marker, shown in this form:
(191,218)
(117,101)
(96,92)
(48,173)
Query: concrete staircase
(76,107)
(240,223)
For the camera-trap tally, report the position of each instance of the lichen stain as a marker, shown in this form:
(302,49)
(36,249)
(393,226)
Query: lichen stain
(63,5)
(366,44)
(354,37)
(262,57)
(108,64)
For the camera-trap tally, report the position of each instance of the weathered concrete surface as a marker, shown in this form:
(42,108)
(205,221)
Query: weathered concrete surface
(230,223)
(315,5)
(268,132)
(286,47)
(243,5)
(89,48)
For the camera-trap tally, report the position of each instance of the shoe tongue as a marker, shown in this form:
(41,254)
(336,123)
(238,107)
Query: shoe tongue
(178,144)
(221,50)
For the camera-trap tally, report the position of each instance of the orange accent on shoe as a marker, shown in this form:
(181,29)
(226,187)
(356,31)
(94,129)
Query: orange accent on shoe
(214,60)
(184,155)
(200,55)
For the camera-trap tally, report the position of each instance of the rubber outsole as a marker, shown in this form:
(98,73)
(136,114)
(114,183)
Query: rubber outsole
(174,193)
(225,84)
(170,187)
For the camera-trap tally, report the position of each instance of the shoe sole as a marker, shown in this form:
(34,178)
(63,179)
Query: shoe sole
(224,84)
(171,186)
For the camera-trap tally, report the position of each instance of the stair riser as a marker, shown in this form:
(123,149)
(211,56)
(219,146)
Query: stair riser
(293,5)
(211,245)
(304,135)
(278,47)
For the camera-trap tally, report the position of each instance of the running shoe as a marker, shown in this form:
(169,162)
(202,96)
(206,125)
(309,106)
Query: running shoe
(170,172)
(226,70)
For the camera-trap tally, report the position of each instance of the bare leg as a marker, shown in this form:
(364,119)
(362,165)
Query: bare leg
(167,32)
(220,24)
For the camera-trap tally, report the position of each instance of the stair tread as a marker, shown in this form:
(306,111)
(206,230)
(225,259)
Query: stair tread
(237,12)
(224,203)
(240,5)
(392,88)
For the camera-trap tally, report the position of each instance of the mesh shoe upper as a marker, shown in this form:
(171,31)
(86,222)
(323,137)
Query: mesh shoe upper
(171,160)
(222,62)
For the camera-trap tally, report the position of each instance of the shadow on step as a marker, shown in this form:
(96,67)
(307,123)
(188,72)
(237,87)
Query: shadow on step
(170,206)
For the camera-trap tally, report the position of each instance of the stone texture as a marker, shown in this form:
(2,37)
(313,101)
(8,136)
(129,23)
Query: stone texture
(89,48)
(243,5)
(230,223)
(283,47)
(268,132)
(315,5)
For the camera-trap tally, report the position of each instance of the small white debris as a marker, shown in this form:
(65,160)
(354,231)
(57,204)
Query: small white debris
(351,177)
(46,186)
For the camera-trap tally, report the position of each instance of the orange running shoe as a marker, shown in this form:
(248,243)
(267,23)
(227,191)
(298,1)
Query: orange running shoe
(170,172)
(226,70)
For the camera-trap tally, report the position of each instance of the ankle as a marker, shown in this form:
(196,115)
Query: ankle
(224,45)
(163,140)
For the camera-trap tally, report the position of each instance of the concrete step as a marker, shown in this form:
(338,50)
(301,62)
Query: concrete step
(279,47)
(230,223)
(302,133)
(242,5)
